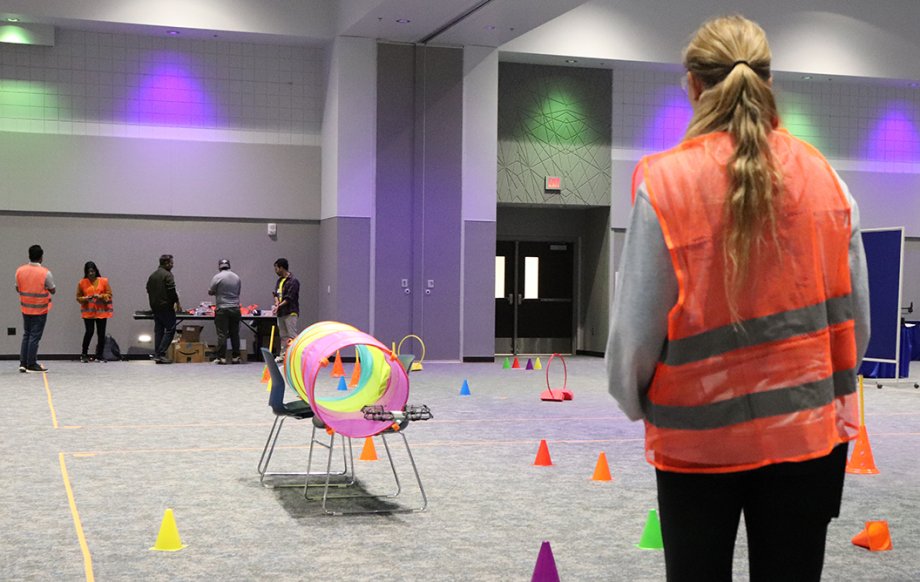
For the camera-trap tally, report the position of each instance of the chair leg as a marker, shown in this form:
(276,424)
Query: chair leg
(348,462)
(418,478)
(326,496)
(348,468)
(268,451)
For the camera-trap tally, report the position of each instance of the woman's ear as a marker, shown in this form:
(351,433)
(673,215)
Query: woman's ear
(694,87)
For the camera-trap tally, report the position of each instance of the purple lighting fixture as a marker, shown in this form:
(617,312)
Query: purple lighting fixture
(894,136)
(665,128)
(169,93)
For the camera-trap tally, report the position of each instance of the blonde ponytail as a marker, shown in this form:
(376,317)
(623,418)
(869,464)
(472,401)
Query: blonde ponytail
(730,58)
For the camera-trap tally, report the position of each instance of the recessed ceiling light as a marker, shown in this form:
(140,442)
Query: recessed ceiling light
(172,32)
(571,61)
(12,19)
(403,20)
(806,77)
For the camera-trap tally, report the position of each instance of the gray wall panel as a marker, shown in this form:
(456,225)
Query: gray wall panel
(395,237)
(127,249)
(72,173)
(479,289)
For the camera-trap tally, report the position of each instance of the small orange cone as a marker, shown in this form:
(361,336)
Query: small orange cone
(861,461)
(543,459)
(602,469)
(369,452)
(875,537)
(515,364)
(355,375)
(337,370)
(265,375)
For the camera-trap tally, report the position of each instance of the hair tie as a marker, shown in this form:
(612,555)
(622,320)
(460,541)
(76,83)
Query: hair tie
(736,63)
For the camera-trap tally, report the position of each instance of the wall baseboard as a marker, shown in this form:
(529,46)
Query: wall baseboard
(593,354)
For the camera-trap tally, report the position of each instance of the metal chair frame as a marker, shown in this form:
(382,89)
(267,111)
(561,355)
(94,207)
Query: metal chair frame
(298,411)
(327,483)
(401,422)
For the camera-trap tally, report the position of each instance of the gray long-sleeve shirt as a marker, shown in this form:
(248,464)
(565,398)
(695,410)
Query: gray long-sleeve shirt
(226,285)
(647,290)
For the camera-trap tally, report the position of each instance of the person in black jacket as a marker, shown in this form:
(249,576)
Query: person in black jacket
(287,302)
(164,302)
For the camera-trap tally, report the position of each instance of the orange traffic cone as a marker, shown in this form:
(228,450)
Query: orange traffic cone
(861,461)
(369,452)
(266,378)
(515,364)
(875,537)
(543,459)
(355,375)
(602,469)
(337,370)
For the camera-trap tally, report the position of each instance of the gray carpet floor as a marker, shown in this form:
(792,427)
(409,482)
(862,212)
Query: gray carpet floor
(135,439)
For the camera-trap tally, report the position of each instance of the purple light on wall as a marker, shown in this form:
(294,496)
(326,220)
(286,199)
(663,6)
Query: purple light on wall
(666,126)
(894,137)
(168,92)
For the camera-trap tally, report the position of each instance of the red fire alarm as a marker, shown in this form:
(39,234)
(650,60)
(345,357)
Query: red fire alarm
(553,184)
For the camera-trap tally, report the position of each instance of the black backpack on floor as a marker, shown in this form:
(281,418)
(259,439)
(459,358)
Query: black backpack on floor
(111,352)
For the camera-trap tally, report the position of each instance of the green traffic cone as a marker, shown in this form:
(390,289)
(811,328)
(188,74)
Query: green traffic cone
(651,535)
(507,363)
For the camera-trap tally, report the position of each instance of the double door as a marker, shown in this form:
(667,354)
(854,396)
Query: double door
(534,297)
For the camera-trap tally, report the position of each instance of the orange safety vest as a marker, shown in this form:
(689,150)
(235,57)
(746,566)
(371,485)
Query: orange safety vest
(95,307)
(781,385)
(34,299)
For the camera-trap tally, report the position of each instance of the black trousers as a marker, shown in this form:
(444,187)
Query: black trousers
(164,329)
(99,325)
(227,321)
(787,508)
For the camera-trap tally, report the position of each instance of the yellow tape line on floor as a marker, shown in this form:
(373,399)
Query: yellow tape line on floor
(54,421)
(87,558)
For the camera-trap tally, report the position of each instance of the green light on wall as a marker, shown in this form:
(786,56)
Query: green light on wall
(800,123)
(31,100)
(14,34)
(558,119)
(27,33)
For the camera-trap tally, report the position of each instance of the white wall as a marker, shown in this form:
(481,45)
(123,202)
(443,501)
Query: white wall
(821,36)
(123,124)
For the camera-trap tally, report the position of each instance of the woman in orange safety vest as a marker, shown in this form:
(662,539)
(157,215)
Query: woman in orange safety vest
(94,294)
(739,323)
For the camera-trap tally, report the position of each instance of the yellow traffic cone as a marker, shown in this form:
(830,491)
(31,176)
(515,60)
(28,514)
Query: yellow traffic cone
(168,538)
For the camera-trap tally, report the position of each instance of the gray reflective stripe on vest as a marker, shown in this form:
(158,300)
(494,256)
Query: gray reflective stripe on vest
(24,294)
(33,305)
(752,406)
(770,328)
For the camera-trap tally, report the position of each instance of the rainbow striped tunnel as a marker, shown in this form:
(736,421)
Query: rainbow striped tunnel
(382,381)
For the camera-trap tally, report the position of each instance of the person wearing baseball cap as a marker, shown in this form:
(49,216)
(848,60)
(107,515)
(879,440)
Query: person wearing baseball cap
(225,286)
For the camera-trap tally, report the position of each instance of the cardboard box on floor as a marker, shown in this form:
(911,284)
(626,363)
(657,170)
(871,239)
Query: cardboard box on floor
(182,352)
(190,333)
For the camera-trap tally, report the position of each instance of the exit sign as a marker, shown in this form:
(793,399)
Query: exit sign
(553,184)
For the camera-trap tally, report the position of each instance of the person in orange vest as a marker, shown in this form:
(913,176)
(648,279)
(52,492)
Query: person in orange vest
(94,294)
(35,286)
(739,323)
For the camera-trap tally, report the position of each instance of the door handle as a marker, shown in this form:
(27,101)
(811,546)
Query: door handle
(510,298)
(520,298)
